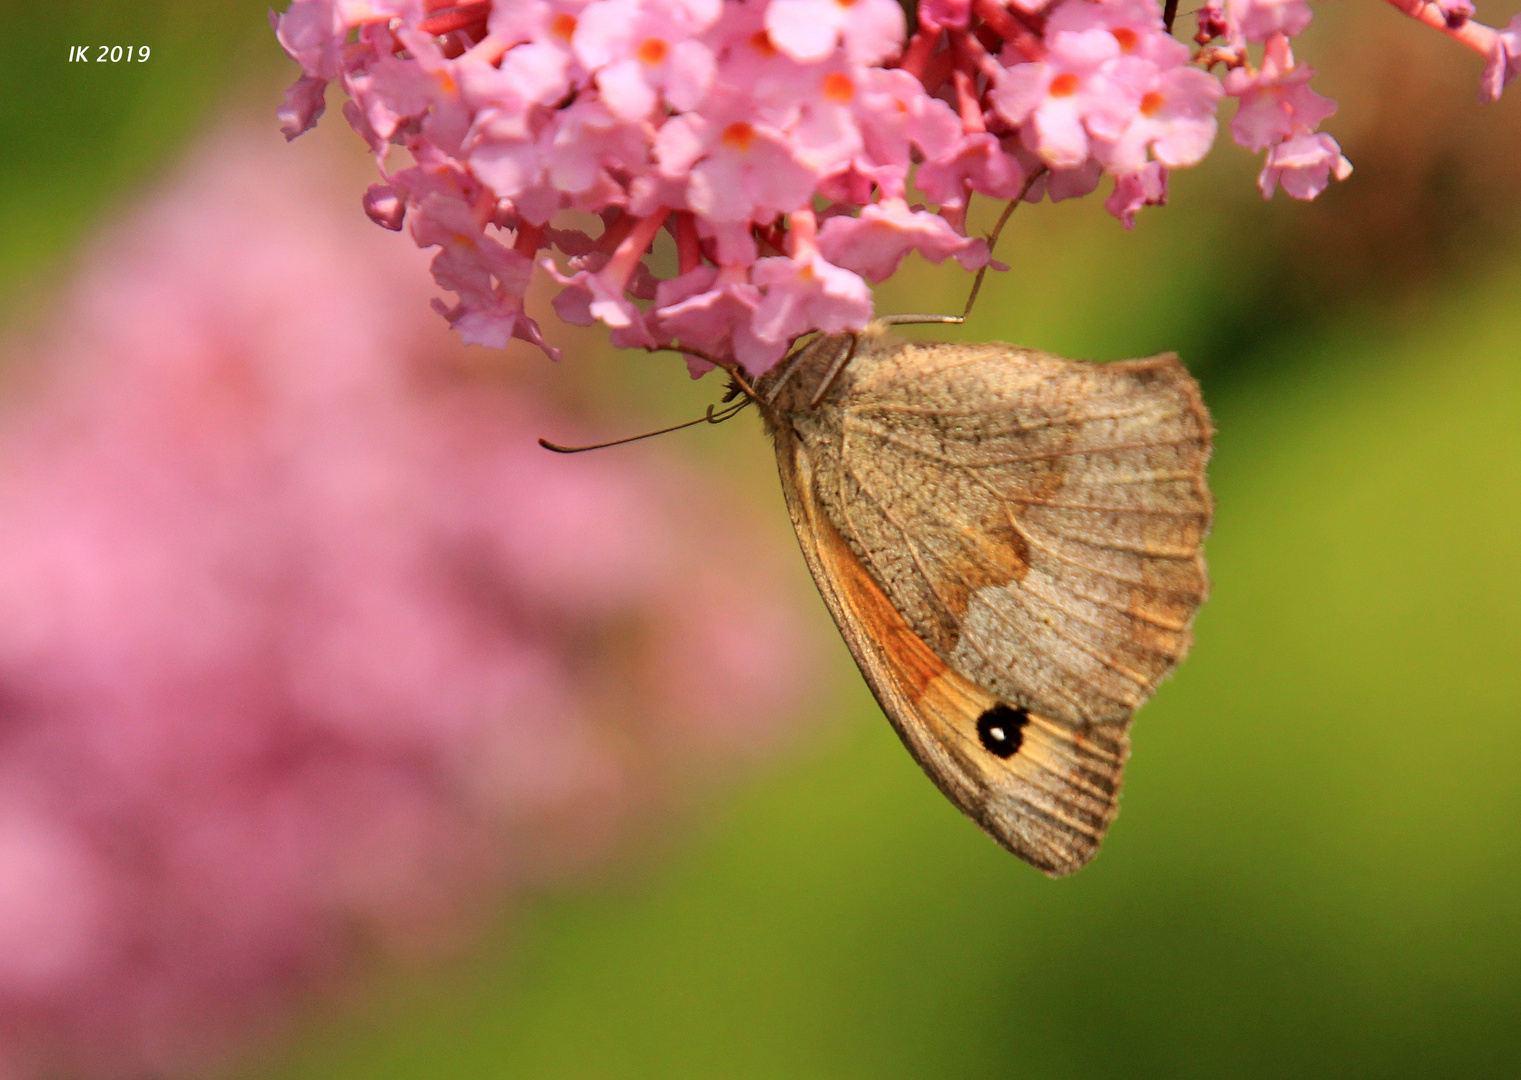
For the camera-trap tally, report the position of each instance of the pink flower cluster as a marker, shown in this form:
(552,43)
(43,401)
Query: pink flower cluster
(1279,113)
(306,645)
(752,162)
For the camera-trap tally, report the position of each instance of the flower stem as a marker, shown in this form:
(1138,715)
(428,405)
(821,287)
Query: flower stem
(1478,37)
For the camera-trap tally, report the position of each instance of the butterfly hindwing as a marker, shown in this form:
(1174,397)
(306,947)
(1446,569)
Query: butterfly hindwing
(1042,791)
(1041,520)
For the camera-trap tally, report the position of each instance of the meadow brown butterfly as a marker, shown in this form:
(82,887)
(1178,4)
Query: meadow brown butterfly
(1010,545)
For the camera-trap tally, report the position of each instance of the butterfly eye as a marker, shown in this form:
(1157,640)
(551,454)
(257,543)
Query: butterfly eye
(1002,729)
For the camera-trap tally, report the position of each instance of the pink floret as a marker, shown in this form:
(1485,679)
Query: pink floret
(312,33)
(734,169)
(304,105)
(1259,20)
(1174,121)
(714,311)
(1504,62)
(1145,187)
(589,297)
(875,243)
(1304,166)
(808,292)
(642,53)
(978,163)
(869,31)
(1276,100)
(385,206)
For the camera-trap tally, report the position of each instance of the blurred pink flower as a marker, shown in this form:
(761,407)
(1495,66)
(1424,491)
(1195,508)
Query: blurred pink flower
(305,646)
(1145,188)
(1304,166)
(1259,20)
(1276,100)
(809,30)
(1504,61)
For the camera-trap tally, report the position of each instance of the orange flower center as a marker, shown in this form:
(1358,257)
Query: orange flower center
(1126,37)
(563,26)
(1152,104)
(652,51)
(738,136)
(760,41)
(1064,85)
(838,88)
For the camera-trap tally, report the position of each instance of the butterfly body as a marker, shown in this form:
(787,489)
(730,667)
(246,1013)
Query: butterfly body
(1010,545)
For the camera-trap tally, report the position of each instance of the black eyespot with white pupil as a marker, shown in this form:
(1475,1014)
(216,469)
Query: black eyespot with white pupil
(1002,729)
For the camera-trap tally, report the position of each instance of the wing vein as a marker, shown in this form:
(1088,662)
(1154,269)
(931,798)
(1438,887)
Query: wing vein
(1169,552)
(1113,665)
(1098,508)
(1076,739)
(1017,459)
(1161,622)
(1100,627)
(1041,424)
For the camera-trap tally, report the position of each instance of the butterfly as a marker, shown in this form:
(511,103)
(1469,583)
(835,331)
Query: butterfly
(1010,544)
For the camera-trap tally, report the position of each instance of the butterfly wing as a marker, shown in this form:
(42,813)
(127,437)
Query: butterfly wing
(1038,520)
(1041,789)
(1010,544)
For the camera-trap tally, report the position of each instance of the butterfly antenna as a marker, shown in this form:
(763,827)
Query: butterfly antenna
(997,231)
(711,417)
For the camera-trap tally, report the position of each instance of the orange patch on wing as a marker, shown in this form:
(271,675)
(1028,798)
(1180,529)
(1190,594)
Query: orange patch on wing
(914,664)
(995,555)
(955,699)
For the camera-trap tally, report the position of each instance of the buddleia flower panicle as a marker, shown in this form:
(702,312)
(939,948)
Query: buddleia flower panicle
(778,142)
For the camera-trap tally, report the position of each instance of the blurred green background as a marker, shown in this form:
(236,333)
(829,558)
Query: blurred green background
(1318,867)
